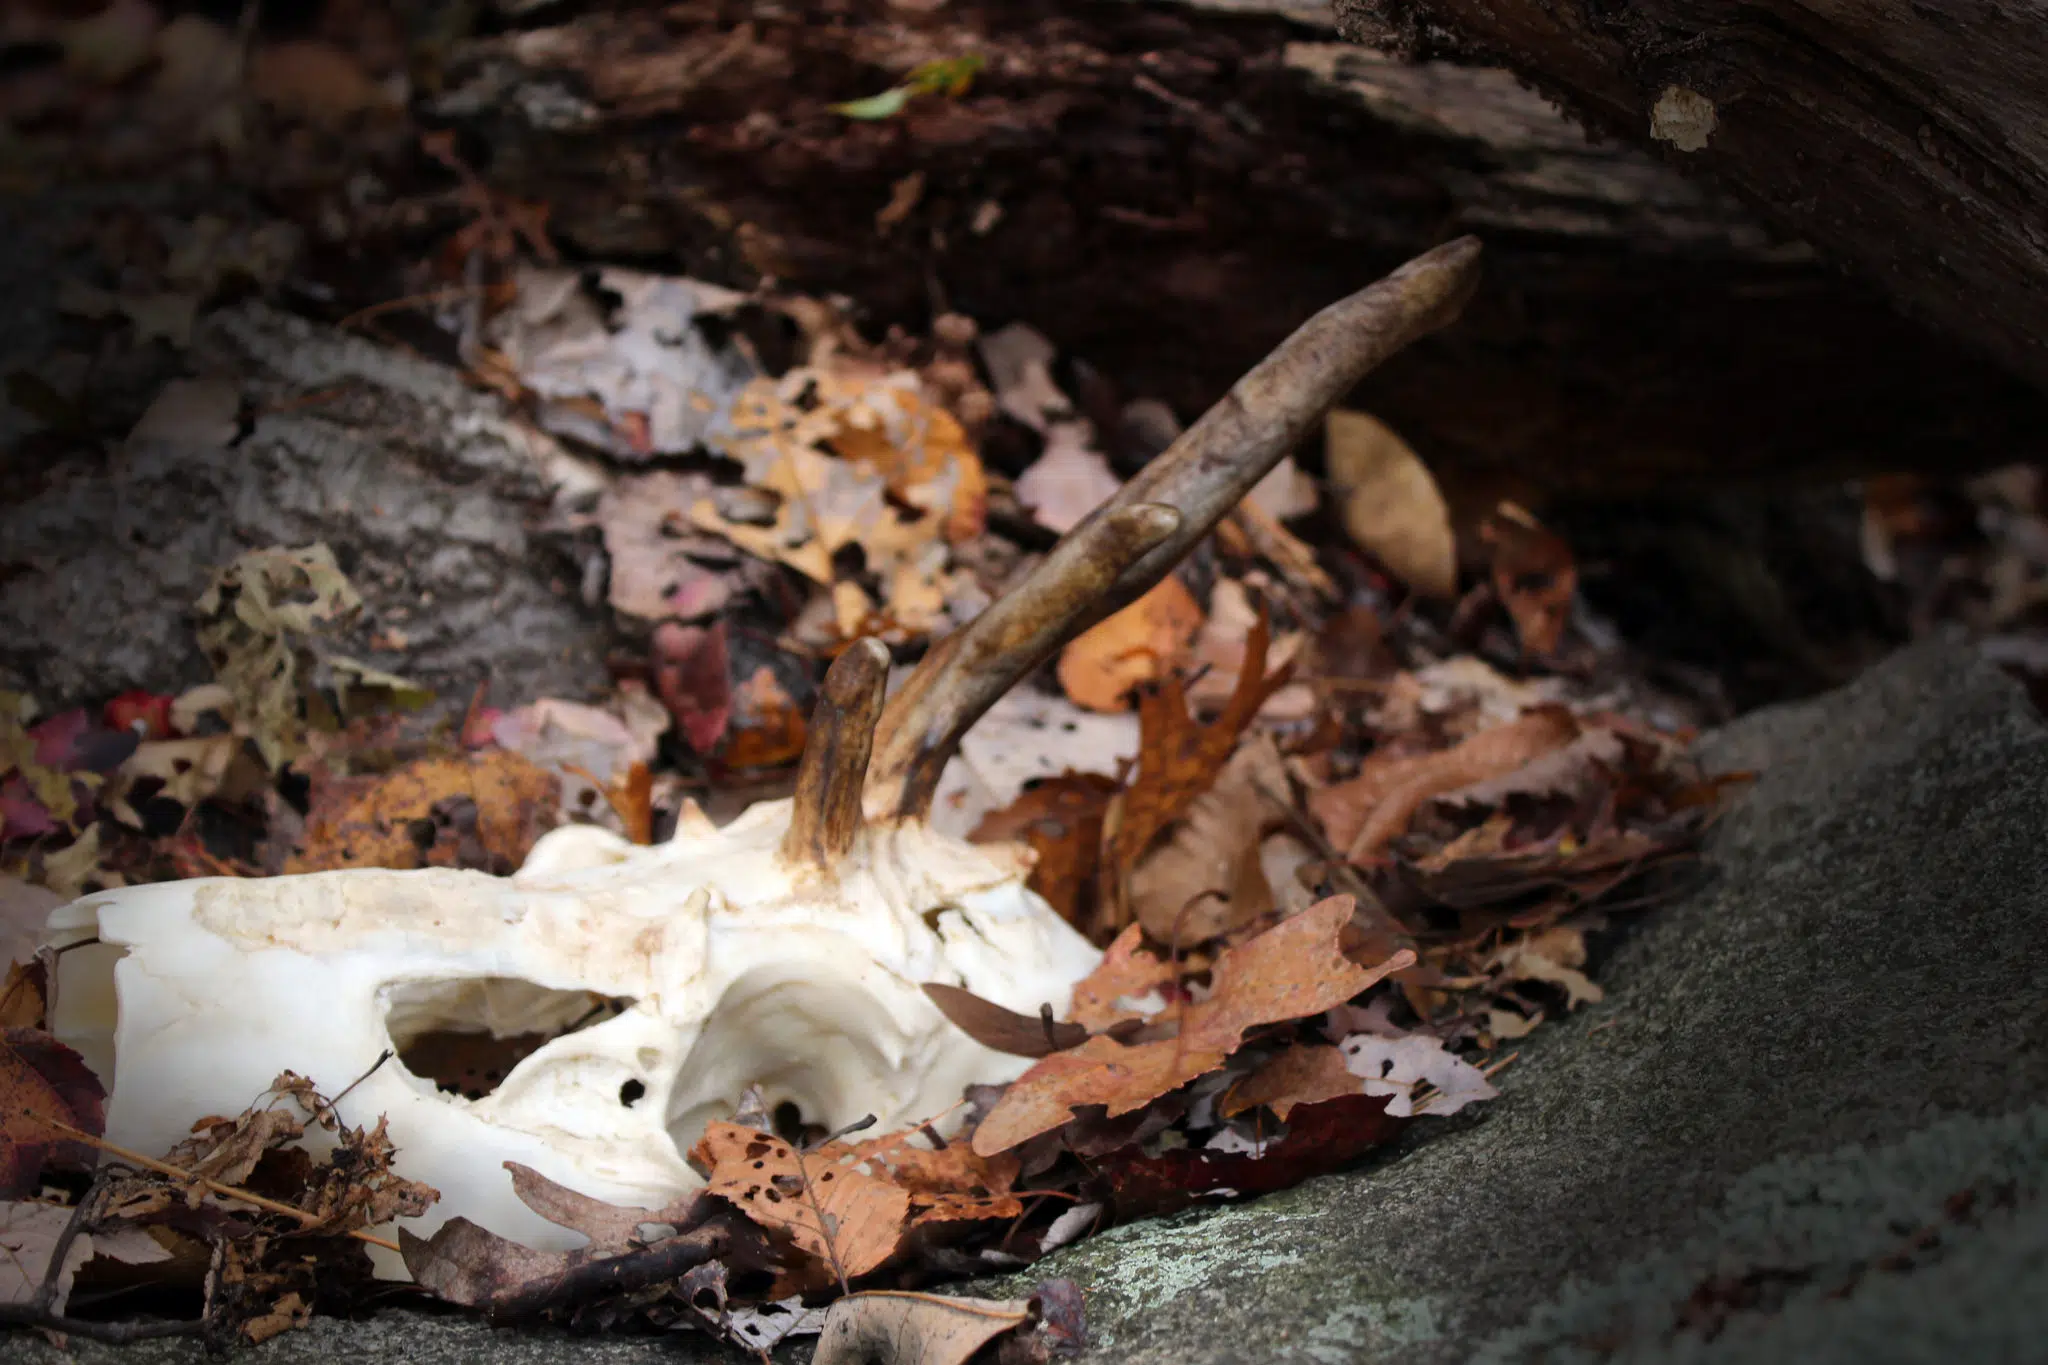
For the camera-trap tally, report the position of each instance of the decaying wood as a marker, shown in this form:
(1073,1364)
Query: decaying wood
(1909,141)
(1135,538)
(826,814)
(1168,192)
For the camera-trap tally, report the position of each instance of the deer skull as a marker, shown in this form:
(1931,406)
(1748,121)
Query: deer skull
(654,984)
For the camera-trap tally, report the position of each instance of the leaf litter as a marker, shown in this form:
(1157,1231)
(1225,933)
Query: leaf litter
(1339,841)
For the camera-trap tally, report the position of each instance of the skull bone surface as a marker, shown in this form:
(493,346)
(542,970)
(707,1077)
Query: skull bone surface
(694,969)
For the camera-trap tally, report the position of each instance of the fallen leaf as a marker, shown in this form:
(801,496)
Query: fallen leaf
(1145,641)
(314,81)
(43,1081)
(922,453)
(888,1327)
(1285,492)
(1205,878)
(1019,362)
(1060,819)
(1306,1073)
(1027,736)
(1320,1138)
(952,1183)
(767,728)
(1400,1067)
(289,1312)
(1363,814)
(193,413)
(1068,480)
(1535,575)
(24,910)
(28,1239)
(481,810)
(848,1221)
(22,1000)
(1555,956)
(593,751)
(1219,651)
(1391,506)
(1573,771)
(1127,974)
(1290,971)
(1004,1030)
(259,611)
(1178,759)
(693,678)
(657,568)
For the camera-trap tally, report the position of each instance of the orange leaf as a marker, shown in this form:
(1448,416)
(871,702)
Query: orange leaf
(1125,972)
(479,810)
(1535,575)
(951,1184)
(1144,641)
(850,1221)
(1293,970)
(1307,1073)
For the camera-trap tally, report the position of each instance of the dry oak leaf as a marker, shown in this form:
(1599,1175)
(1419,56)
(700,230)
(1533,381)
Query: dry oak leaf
(891,1327)
(1306,1073)
(409,817)
(848,1219)
(1391,506)
(1534,574)
(923,455)
(1206,877)
(1178,760)
(1146,640)
(42,1081)
(946,1184)
(1125,977)
(1363,814)
(1291,971)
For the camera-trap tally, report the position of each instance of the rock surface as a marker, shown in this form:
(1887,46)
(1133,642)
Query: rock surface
(424,488)
(1810,1122)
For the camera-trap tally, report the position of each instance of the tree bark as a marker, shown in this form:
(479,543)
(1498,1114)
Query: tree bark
(1167,193)
(1907,140)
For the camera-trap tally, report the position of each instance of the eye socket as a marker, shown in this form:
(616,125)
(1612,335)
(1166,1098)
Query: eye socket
(466,1035)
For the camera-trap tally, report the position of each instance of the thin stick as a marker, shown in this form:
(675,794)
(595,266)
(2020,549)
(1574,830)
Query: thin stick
(225,1191)
(825,817)
(1126,545)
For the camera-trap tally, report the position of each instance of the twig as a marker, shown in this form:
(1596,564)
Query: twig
(803,1171)
(306,1219)
(114,1333)
(53,1274)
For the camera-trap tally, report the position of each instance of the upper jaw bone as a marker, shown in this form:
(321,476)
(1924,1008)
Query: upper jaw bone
(785,950)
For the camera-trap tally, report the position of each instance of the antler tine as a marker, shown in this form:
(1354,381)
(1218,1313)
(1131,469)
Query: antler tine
(827,811)
(1100,565)
(968,670)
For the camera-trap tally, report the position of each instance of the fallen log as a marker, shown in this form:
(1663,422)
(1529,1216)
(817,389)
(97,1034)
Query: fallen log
(1168,192)
(1907,141)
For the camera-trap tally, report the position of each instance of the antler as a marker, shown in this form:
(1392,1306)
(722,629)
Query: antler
(1135,538)
(826,813)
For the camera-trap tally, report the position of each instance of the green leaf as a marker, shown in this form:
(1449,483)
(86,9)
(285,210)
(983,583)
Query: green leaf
(888,104)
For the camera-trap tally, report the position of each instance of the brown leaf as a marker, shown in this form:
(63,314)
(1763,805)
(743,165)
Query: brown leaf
(1005,1030)
(1206,878)
(1293,970)
(1307,1073)
(1146,640)
(1126,971)
(611,1228)
(1178,759)
(888,1327)
(466,1265)
(923,455)
(21,996)
(693,678)
(1060,818)
(1535,575)
(1362,815)
(288,1312)
(28,1239)
(946,1184)
(227,1150)
(767,727)
(42,1080)
(480,810)
(848,1221)
(1391,505)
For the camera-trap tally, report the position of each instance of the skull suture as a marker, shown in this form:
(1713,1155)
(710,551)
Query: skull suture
(785,950)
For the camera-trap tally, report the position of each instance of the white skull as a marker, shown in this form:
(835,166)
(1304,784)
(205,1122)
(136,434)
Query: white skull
(734,964)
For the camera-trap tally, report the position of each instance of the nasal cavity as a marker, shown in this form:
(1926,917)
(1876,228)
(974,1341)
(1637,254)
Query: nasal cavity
(465,1035)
